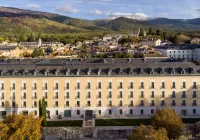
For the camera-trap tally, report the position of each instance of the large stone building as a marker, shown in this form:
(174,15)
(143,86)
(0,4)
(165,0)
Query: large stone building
(187,52)
(109,88)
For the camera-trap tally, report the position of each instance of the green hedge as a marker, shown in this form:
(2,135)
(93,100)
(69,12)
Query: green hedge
(77,123)
(133,122)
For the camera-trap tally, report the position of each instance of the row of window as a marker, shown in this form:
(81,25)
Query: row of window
(99,96)
(88,86)
(99,104)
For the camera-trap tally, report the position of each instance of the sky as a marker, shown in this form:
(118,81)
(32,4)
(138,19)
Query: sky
(110,9)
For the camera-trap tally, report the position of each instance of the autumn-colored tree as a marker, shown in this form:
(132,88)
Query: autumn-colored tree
(149,133)
(20,127)
(168,119)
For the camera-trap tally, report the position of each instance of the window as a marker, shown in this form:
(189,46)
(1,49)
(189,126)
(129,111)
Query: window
(67,95)
(152,111)
(173,103)
(78,112)
(162,102)
(142,94)
(88,103)
(56,103)
(131,94)
(120,112)
(67,103)
(152,94)
(194,111)
(120,94)
(110,85)
(88,85)
(13,86)
(163,94)
(183,94)
(173,85)
(67,85)
(152,85)
(35,113)
(99,112)
(56,112)
(56,95)
(13,104)
(142,85)
(24,85)
(78,95)
(35,104)
(131,103)
(24,104)
(99,103)
(2,104)
(120,85)
(141,112)
(78,85)
(88,95)
(152,103)
(2,86)
(183,103)
(110,94)
(45,86)
(131,111)
(120,103)
(99,94)
(24,95)
(173,94)
(163,85)
(194,85)
(194,103)
(131,85)
(35,86)
(46,103)
(110,103)
(110,112)
(78,103)
(46,95)
(99,85)
(56,86)
(184,85)
(194,94)
(141,103)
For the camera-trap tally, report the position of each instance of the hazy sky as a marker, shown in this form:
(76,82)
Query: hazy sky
(98,9)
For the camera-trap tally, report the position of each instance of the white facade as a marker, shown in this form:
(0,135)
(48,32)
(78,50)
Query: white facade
(151,42)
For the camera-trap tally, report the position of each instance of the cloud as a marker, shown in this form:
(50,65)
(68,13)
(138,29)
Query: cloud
(96,12)
(67,9)
(35,6)
(198,10)
(138,16)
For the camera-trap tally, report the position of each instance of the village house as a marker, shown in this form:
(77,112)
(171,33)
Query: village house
(151,42)
(195,40)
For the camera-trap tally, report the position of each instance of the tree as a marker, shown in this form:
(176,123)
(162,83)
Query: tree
(168,119)
(158,32)
(141,32)
(22,38)
(84,51)
(37,52)
(150,31)
(149,133)
(20,127)
(42,111)
(31,38)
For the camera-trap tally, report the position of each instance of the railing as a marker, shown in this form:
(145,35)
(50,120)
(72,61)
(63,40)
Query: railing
(34,97)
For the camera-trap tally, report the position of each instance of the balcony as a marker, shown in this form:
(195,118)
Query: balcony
(88,97)
(55,97)
(194,96)
(34,88)
(120,105)
(2,98)
(141,96)
(130,97)
(109,105)
(55,106)
(109,97)
(77,88)
(194,87)
(173,87)
(2,106)
(12,98)
(109,87)
(152,87)
(23,106)
(77,97)
(77,105)
(162,87)
(183,87)
(152,96)
(34,106)
(184,96)
(173,104)
(98,97)
(120,87)
(141,87)
(45,88)
(23,88)
(55,88)
(98,105)
(67,97)
(183,104)
(87,87)
(98,87)
(130,87)
(152,104)
(12,88)
(34,97)
(162,104)
(120,96)
(161,96)
(194,104)
(66,88)
(23,97)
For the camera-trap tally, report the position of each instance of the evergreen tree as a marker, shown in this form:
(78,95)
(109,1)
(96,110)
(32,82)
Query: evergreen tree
(150,31)
(42,111)
(141,32)
(158,32)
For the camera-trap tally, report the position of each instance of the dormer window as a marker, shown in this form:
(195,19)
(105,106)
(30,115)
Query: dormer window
(141,71)
(120,71)
(89,71)
(68,71)
(46,72)
(78,71)
(109,71)
(99,72)
(25,72)
(182,71)
(172,71)
(35,72)
(57,72)
(162,71)
(151,71)
(193,71)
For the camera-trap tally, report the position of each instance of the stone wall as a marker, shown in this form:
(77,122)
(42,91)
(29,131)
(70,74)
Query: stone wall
(100,133)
